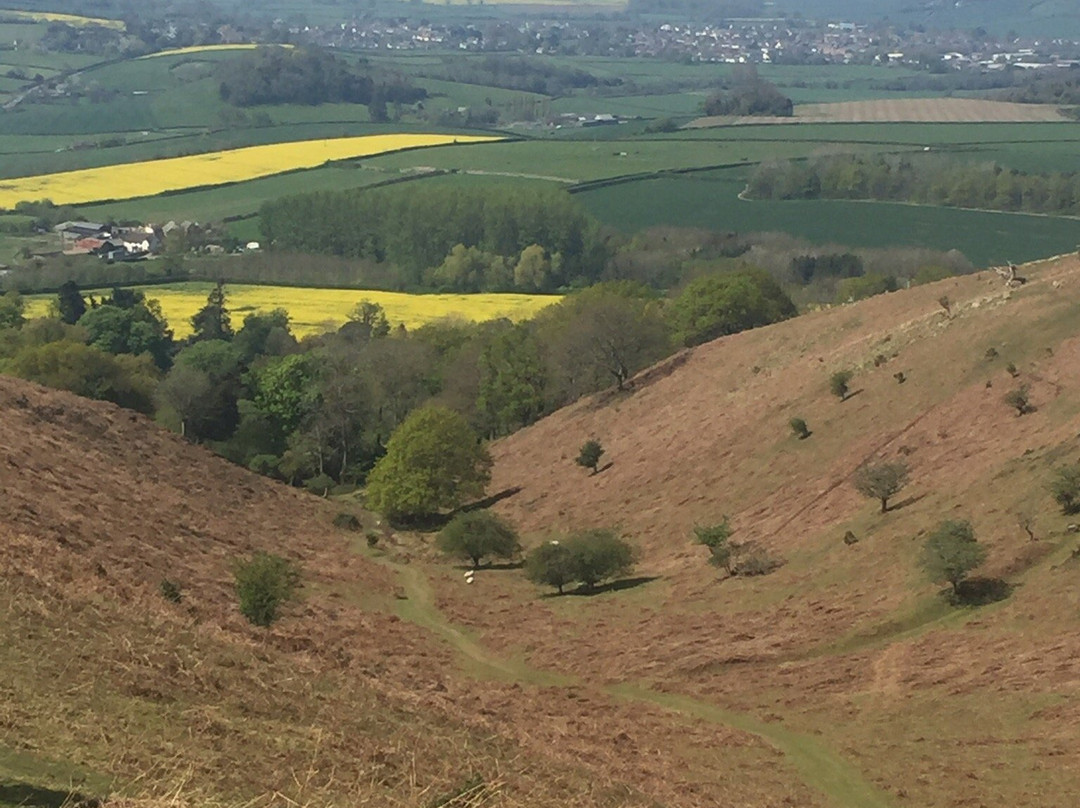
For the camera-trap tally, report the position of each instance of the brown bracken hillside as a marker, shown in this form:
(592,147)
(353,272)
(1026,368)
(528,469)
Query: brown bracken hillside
(108,687)
(842,679)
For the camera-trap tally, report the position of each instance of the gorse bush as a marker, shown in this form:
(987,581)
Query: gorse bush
(799,427)
(264,583)
(838,383)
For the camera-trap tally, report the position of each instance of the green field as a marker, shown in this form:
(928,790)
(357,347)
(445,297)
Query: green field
(711,201)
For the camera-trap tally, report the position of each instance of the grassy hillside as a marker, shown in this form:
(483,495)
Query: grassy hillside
(851,644)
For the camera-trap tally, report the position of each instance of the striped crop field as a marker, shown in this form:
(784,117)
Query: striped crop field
(152,177)
(208,49)
(315,310)
(69,19)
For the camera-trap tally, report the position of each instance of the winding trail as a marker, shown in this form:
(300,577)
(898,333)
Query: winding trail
(819,767)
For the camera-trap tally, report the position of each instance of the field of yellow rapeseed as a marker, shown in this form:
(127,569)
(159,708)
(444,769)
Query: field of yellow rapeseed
(152,177)
(315,310)
(70,19)
(206,48)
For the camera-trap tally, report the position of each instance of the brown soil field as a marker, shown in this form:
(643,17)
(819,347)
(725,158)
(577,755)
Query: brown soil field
(904,110)
(843,679)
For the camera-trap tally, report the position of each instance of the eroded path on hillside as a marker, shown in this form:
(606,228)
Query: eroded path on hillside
(819,767)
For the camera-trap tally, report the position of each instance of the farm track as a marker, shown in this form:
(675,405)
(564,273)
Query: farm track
(818,766)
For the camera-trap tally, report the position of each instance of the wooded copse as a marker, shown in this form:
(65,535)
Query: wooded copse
(490,239)
(322,410)
(307,76)
(928,179)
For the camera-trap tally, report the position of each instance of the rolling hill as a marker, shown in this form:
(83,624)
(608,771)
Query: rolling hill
(842,679)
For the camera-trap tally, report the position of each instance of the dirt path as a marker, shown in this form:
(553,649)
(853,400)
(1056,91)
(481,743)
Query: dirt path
(818,766)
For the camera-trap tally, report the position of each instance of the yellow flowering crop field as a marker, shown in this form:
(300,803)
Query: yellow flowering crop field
(152,177)
(70,19)
(208,48)
(314,310)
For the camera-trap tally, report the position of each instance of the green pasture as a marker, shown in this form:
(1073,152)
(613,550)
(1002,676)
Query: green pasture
(711,201)
(241,199)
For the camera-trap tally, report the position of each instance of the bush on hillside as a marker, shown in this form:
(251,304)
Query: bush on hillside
(838,384)
(1019,399)
(590,454)
(264,583)
(799,427)
(1065,488)
(716,539)
(477,535)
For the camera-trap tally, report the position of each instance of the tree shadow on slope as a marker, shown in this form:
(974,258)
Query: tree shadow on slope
(433,522)
(31,796)
(904,503)
(979,591)
(614,586)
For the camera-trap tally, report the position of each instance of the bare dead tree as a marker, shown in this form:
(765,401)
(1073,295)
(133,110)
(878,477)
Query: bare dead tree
(1012,279)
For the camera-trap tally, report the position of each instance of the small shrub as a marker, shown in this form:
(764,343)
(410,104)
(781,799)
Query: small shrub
(754,560)
(265,464)
(1065,488)
(264,583)
(900,377)
(476,535)
(715,538)
(1019,400)
(320,484)
(881,481)
(850,538)
(798,426)
(590,454)
(838,384)
(991,353)
(170,590)
(946,304)
(372,539)
(1012,370)
(346,521)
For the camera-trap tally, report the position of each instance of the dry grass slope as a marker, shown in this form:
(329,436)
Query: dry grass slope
(938,706)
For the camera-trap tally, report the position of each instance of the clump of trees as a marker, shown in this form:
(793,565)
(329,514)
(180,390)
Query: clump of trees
(881,481)
(749,94)
(476,535)
(927,179)
(264,584)
(492,238)
(723,303)
(306,76)
(588,558)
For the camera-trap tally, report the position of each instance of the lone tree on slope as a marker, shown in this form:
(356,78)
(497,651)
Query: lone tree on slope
(881,481)
(951,552)
(433,461)
(478,534)
(590,454)
(838,384)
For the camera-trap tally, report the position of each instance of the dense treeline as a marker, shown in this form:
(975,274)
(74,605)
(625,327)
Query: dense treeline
(518,73)
(306,76)
(495,238)
(749,94)
(931,180)
(1047,89)
(322,410)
